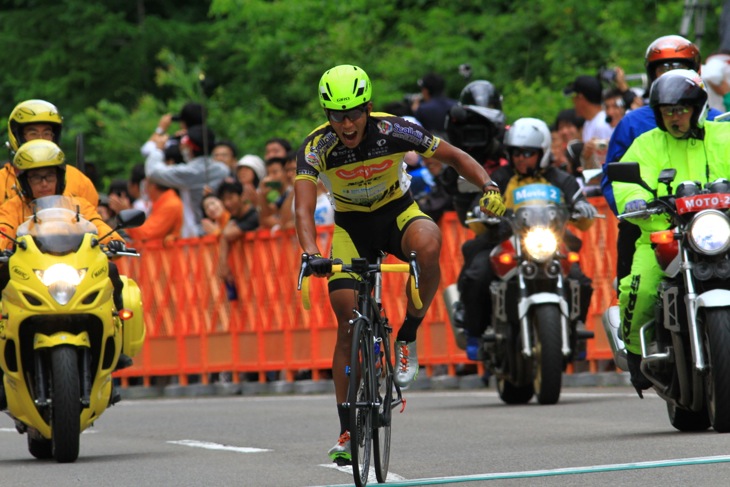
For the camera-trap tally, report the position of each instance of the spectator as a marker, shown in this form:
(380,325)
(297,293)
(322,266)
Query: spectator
(272,192)
(131,193)
(191,114)
(105,211)
(226,152)
(615,106)
(587,98)
(276,147)
(165,219)
(434,106)
(238,200)
(437,200)
(569,127)
(216,215)
(716,74)
(250,170)
(190,178)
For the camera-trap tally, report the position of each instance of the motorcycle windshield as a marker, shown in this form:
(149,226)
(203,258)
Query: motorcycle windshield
(56,226)
(539,205)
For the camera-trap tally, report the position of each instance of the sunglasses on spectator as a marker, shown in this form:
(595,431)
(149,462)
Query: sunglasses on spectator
(664,67)
(669,111)
(524,152)
(338,116)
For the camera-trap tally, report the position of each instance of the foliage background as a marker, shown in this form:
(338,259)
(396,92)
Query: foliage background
(113,67)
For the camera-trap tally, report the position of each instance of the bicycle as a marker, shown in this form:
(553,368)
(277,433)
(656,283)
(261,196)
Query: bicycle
(370,397)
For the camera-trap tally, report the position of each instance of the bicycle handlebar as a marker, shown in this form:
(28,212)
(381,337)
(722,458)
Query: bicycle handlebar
(361,269)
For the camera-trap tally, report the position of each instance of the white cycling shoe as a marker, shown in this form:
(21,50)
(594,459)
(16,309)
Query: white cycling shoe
(406,363)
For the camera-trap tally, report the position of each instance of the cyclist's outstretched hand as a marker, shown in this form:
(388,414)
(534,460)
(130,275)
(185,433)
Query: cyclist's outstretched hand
(318,265)
(491,203)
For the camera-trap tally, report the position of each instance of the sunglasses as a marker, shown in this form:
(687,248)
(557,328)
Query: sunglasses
(338,116)
(665,67)
(674,110)
(524,152)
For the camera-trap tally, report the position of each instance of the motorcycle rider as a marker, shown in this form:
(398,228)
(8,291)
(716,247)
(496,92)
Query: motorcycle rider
(358,154)
(476,126)
(41,170)
(39,119)
(664,54)
(699,151)
(528,143)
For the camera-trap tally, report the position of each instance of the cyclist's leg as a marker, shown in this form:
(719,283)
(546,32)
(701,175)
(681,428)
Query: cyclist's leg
(343,299)
(419,234)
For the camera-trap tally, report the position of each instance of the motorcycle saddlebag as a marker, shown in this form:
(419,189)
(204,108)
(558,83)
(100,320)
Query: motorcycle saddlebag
(133,328)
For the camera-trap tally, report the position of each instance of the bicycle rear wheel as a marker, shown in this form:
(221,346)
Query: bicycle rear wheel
(382,421)
(361,401)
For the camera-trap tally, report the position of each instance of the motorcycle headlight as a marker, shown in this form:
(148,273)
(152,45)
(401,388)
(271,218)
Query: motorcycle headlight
(540,243)
(61,280)
(709,233)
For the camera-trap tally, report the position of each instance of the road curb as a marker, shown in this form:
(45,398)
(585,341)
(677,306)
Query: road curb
(304,387)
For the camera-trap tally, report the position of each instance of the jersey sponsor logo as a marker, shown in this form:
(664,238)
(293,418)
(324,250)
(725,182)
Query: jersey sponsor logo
(324,144)
(365,172)
(385,127)
(381,142)
(407,133)
(312,159)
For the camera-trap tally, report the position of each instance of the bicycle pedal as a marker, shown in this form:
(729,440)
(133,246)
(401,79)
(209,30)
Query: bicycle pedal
(342,462)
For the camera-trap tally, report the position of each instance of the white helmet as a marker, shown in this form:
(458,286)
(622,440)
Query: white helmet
(532,133)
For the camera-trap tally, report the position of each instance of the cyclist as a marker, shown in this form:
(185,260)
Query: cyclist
(528,143)
(358,155)
(699,151)
(39,119)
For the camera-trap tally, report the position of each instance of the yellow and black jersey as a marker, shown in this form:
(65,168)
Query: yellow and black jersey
(372,174)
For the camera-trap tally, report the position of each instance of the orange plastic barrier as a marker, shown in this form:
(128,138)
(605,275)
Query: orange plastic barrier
(192,328)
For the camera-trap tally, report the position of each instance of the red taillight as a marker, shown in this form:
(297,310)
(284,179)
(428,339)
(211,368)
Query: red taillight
(506,259)
(125,314)
(573,257)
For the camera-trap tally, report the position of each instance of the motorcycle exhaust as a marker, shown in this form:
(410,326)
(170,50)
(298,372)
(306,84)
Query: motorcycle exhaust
(612,326)
(451,299)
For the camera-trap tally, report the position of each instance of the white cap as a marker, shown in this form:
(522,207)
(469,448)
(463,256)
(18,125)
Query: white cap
(255,163)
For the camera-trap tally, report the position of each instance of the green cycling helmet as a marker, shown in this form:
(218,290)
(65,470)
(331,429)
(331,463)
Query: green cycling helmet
(344,87)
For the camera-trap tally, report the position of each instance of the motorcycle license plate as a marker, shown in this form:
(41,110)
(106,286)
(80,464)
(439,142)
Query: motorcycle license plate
(699,202)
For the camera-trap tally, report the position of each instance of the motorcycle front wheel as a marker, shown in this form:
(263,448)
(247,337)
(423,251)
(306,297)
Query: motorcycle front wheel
(717,381)
(547,353)
(66,405)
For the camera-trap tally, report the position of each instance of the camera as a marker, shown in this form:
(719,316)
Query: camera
(465,70)
(410,98)
(608,75)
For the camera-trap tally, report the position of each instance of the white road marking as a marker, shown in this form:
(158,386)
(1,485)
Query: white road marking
(217,446)
(392,477)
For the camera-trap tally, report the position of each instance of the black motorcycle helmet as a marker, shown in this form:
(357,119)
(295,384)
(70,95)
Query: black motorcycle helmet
(481,93)
(680,87)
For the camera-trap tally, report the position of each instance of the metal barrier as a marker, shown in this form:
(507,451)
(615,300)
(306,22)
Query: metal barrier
(193,329)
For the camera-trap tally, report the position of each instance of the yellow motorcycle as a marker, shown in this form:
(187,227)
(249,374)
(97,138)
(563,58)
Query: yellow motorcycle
(60,334)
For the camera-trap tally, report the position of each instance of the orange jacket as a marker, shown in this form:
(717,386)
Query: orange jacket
(77,184)
(16,210)
(165,219)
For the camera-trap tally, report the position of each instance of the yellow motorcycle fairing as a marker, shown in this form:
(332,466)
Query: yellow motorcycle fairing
(28,304)
(134,329)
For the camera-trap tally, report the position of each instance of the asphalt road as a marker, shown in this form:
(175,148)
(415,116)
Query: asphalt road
(594,437)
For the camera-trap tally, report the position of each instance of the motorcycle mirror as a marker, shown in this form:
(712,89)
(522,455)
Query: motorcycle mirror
(129,218)
(627,172)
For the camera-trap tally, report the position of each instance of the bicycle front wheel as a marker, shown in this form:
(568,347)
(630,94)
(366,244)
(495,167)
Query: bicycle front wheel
(360,397)
(382,421)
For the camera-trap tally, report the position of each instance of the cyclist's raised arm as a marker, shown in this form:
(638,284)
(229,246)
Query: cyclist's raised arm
(305,201)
